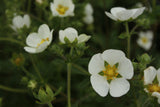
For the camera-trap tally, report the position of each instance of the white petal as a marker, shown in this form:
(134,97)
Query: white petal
(138,12)
(110,16)
(145,89)
(26,20)
(125,68)
(33,40)
(124,15)
(44,31)
(42,47)
(159,100)
(100,85)
(145,46)
(70,33)
(88,19)
(88,9)
(18,22)
(83,38)
(149,75)
(149,35)
(30,49)
(116,10)
(112,56)
(158,75)
(156,94)
(119,87)
(61,36)
(96,64)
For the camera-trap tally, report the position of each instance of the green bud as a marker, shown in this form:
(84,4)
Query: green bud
(32,84)
(145,58)
(17,59)
(145,22)
(24,80)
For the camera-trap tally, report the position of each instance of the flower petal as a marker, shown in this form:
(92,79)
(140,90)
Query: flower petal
(119,87)
(42,47)
(149,75)
(33,40)
(125,68)
(112,56)
(83,38)
(26,19)
(124,15)
(44,31)
(18,22)
(137,12)
(100,85)
(116,10)
(88,19)
(110,16)
(96,64)
(156,94)
(30,49)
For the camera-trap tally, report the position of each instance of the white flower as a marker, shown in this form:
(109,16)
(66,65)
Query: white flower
(150,74)
(88,19)
(122,14)
(19,22)
(38,42)
(71,34)
(145,39)
(109,72)
(62,8)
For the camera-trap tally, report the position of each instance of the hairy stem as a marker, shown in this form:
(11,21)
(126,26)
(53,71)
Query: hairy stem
(12,89)
(128,40)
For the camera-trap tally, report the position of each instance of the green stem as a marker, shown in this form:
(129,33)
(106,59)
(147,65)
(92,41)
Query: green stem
(153,3)
(12,40)
(69,65)
(26,72)
(133,29)
(36,69)
(50,104)
(12,89)
(81,69)
(128,40)
(29,6)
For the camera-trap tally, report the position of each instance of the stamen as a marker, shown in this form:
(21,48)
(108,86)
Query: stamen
(42,41)
(62,9)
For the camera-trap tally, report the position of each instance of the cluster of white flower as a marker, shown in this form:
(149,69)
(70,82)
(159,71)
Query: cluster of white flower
(109,70)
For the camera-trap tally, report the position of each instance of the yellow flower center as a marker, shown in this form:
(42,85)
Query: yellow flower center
(110,72)
(62,9)
(144,40)
(42,41)
(154,88)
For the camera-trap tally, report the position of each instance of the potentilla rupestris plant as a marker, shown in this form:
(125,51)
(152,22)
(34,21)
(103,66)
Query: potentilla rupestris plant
(109,73)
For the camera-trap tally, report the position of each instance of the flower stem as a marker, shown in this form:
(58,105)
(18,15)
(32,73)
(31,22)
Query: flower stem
(29,6)
(81,69)
(50,104)
(128,40)
(12,40)
(153,3)
(26,72)
(36,69)
(69,65)
(12,89)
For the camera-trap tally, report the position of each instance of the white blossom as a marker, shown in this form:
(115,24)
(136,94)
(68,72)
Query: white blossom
(38,42)
(145,40)
(62,8)
(122,14)
(71,34)
(19,22)
(109,73)
(88,12)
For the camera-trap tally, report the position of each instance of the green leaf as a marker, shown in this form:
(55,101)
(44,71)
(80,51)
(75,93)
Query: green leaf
(49,91)
(66,40)
(122,36)
(58,91)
